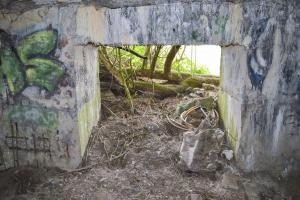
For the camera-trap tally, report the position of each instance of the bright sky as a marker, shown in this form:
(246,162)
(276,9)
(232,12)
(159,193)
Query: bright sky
(209,55)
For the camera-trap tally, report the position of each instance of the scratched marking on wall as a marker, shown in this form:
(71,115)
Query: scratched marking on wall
(17,142)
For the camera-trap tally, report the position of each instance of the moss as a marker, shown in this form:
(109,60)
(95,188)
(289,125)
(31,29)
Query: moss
(229,125)
(221,70)
(232,133)
(12,68)
(29,115)
(39,43)
(1,81)
(192,82)
(88,116)
(45,73)
(161,90)
(87,119)
(198,81)
(207,103)
(222,106)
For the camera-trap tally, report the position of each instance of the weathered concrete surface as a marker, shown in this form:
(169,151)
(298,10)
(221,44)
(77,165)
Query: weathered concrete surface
(53,126)
(259,96)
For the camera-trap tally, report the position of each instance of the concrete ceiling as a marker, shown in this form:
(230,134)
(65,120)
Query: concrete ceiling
(22,5)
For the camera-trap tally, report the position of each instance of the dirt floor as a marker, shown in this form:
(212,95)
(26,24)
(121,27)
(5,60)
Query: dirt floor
(135,156)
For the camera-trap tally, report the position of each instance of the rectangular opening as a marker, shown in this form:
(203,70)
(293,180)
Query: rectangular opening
(159,68)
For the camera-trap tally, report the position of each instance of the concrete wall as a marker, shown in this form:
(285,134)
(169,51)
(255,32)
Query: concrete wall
(259,95)
(54,122)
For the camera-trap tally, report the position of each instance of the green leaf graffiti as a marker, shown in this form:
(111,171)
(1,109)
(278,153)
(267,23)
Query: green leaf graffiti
(12,69)
(33,52)
(42,42)
(43,73)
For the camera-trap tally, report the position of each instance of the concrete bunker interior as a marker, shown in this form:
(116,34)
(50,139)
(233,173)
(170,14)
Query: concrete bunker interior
(259,90)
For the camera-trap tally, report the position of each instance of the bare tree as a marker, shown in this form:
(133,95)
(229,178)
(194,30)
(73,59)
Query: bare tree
(154,59)
(169,60)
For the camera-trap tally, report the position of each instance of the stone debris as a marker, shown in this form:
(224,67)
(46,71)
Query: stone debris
(206,102)
(202,144)
(196,197)
(230,181)
(152,127)
(200,151)
(228,154)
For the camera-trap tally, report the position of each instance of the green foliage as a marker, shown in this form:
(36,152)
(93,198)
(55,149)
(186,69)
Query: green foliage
(186,65)
(182,63)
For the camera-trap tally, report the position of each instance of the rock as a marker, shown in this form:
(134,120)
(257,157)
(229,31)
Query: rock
(193,95)
(199,152)
(200,93)
(208,103)
(189,90)
(186,98)
(208,86)
(152,127)
(230,181)
(228,154)
(196,197)
(211,167)
(196,89)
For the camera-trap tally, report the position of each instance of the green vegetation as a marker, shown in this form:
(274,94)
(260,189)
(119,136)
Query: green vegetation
(181,63)
(156,69)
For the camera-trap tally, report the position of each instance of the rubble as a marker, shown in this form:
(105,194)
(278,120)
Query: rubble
(228,154)
(202,144)
(200,151)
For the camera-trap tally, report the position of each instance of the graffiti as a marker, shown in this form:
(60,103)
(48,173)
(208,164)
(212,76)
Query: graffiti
(220,22)
(260,58)
(33,115)
(34,143)
(29,62)
(16,143)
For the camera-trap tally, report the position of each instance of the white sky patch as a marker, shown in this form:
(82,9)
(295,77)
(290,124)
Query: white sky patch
(208,55)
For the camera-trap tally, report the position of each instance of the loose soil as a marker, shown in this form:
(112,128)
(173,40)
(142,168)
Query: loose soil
(130,156)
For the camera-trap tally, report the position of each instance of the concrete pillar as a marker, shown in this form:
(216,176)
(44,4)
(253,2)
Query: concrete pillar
(50,100)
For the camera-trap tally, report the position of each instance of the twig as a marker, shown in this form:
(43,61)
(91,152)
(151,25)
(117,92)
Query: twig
(133,52)
(109,110)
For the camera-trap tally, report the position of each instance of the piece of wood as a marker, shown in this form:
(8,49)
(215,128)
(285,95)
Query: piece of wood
(158,90)
(132,52)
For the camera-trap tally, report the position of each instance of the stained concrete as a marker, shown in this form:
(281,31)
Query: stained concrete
(259,95)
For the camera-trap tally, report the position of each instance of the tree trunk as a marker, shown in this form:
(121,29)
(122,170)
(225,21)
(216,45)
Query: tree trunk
(154,60)
(169,60)
(147,53)
(158,90)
